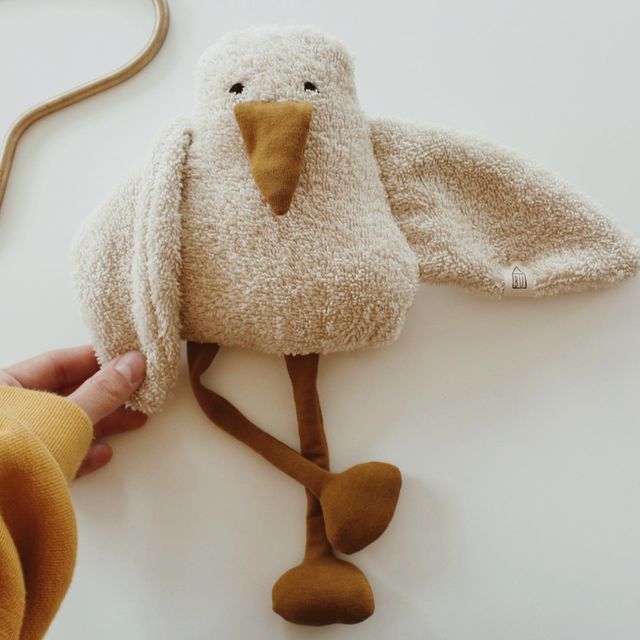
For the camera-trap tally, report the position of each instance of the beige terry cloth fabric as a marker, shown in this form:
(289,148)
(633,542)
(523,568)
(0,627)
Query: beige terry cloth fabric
(188,248)
(474,211)
(125,262)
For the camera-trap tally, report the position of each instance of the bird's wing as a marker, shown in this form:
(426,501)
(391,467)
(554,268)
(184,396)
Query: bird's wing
(481,217)
(126,266)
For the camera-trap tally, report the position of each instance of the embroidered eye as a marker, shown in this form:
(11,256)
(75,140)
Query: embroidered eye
(237,88)
(309,86)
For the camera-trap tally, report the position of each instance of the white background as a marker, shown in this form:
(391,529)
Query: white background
(515,423)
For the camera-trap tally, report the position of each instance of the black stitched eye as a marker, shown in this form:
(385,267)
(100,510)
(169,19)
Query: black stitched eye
(236,88)
(309,86)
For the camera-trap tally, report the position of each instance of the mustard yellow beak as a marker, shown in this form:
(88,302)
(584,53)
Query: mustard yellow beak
(275,137)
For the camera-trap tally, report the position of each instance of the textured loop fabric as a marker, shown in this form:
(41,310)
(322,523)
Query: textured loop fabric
(189,247)
(473,210)
(127,263)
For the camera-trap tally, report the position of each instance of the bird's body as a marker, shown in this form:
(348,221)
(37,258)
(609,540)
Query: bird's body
(279,217)
(335,273)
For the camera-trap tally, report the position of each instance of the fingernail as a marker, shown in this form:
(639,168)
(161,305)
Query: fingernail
(132,366)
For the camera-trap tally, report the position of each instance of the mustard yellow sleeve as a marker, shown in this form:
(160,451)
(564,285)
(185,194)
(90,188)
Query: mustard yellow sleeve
(43,439)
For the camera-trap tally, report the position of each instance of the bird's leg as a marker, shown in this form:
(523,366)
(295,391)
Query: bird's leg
(303,371)
(321,589)
(357,504)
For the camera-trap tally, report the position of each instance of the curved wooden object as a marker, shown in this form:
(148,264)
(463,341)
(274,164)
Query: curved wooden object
(86,90)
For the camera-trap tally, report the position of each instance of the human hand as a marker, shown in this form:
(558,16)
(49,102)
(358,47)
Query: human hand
(100,393)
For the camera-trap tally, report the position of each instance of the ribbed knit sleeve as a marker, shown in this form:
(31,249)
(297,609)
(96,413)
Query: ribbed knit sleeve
(43,439)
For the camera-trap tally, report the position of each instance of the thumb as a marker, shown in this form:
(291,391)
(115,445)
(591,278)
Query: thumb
(111,387)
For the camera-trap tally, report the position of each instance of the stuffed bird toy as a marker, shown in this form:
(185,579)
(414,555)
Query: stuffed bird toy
(279,217)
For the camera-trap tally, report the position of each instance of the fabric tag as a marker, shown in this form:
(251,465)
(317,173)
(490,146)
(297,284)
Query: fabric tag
(518,281)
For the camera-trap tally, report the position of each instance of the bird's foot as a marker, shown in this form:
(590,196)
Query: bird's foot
(323,591)
(358,504)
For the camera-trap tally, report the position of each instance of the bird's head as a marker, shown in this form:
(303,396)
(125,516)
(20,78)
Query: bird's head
(277,83)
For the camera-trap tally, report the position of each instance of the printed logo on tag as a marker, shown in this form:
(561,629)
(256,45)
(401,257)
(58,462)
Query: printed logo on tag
(518,281)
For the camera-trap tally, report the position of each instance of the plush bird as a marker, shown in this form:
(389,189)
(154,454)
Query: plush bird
(279,217)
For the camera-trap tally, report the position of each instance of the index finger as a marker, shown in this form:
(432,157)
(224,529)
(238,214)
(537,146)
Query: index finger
(55,369)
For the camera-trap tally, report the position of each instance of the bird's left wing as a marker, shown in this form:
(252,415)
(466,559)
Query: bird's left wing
(126,266)
(479,216)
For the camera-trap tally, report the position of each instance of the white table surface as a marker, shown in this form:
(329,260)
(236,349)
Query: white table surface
(515,423)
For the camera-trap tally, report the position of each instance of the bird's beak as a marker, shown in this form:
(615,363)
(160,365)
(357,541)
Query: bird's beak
(275,137)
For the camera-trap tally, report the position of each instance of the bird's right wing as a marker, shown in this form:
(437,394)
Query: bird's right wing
(126,267)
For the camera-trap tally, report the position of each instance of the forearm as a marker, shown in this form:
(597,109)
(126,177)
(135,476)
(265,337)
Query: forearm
(43,439)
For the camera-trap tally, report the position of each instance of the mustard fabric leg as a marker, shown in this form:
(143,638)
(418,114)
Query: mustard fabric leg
(303,371)
(228,418)
(322,589)
(357,504)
